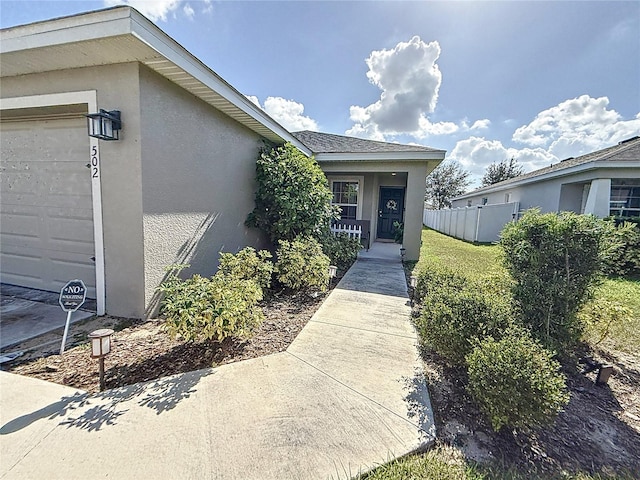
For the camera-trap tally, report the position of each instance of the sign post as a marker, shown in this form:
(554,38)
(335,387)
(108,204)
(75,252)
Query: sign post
(72,296)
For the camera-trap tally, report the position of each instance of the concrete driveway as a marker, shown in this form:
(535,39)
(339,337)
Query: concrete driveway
(348,394)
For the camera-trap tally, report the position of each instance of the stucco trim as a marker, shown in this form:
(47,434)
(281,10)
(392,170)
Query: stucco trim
(90,98)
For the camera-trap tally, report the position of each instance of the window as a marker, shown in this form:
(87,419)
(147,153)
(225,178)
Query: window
(625,197)
(346,195)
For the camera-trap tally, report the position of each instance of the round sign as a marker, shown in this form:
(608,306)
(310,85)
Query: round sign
(72,295)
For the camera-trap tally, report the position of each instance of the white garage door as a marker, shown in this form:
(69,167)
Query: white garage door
(46,217)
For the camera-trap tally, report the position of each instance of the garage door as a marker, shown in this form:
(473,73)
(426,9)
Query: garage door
(46,215)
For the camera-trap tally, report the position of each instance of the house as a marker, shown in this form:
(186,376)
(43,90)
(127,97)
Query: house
(603,183)
(176,186)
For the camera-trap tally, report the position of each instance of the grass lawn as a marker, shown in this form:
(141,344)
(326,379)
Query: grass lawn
(445,462)
(486,259)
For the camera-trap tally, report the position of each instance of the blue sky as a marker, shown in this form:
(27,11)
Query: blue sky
(537,81)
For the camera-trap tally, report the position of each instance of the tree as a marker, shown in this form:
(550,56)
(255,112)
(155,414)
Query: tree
(499,172)
(446,181)
(293,196)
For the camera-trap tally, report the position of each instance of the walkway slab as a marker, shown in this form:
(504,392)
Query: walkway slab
(347,395)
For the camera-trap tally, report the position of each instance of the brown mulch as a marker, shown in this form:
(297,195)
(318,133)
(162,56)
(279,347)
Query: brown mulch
(142,351)
(598,432)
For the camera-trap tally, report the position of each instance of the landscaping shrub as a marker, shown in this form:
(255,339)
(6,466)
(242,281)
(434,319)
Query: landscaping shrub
(341,249)
(555,261)
(213,309)
(623,253)
(247,264)
(453,317)
(293,196)
(302,265)
(516,382)
(436,277)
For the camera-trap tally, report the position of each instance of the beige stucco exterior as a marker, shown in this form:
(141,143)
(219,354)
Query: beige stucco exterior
(178,184)
(568,192)
(408,174)
(198,171)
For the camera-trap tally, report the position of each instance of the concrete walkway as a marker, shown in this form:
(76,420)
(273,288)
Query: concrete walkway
(348,394)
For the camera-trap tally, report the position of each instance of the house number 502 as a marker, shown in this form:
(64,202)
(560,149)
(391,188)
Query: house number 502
(94,162)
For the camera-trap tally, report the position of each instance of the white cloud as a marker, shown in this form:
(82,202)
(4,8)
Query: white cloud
(577,126)
(153,9)
(409,79)
(475,154)
(188,11)
(480,124)
(286,112)
(208,6)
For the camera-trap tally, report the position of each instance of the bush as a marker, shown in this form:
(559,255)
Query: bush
(247,265)
(452,318)
(341,250)
(516,382)
(623,253)
(302,265)
(555,261)
(436,277)
(293,196)
(212,309)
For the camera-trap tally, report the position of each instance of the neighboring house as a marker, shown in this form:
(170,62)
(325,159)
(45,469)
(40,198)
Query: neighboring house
(603,183)
(178,184)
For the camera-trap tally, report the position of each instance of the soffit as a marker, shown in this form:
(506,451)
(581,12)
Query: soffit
(122,35)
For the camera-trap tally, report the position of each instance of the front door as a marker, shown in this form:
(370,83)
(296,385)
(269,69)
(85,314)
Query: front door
(390,210)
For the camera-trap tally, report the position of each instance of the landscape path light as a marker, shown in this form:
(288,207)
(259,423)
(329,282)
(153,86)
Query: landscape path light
(403,251)
(100,347)
(413,282)
(333,270)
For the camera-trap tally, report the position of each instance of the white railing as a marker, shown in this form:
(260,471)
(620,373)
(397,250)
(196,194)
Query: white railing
(353,231)
(478,224)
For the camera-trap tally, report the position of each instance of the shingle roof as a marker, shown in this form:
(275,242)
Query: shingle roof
(330,143)
(625,151)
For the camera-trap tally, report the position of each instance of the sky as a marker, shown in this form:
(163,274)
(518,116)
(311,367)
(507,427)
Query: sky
(486,80)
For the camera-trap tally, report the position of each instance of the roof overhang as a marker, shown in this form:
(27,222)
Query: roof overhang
(381,157)
(585,167)
(121,35)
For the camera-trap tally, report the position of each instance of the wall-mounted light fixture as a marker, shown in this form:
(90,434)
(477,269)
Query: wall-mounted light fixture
(105,125)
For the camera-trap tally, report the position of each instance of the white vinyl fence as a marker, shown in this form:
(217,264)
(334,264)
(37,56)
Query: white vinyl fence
(480,223)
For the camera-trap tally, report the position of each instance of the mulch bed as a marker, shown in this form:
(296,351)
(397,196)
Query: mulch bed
(142,351)
(598,432)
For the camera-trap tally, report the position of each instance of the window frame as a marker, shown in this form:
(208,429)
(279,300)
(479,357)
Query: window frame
(349,179)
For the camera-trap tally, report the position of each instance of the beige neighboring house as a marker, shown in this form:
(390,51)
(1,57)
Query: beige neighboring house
(603,183)
(177,185)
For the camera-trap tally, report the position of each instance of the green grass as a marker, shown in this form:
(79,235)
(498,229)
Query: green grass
(447,463)
(477,260)
(623,336)
(470,259)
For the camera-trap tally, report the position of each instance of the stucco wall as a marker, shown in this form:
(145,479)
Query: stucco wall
(546,195)
(117,88)
(198,182)
(378,174)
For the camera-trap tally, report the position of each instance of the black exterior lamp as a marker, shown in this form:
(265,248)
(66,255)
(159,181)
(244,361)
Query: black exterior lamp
(105,125)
